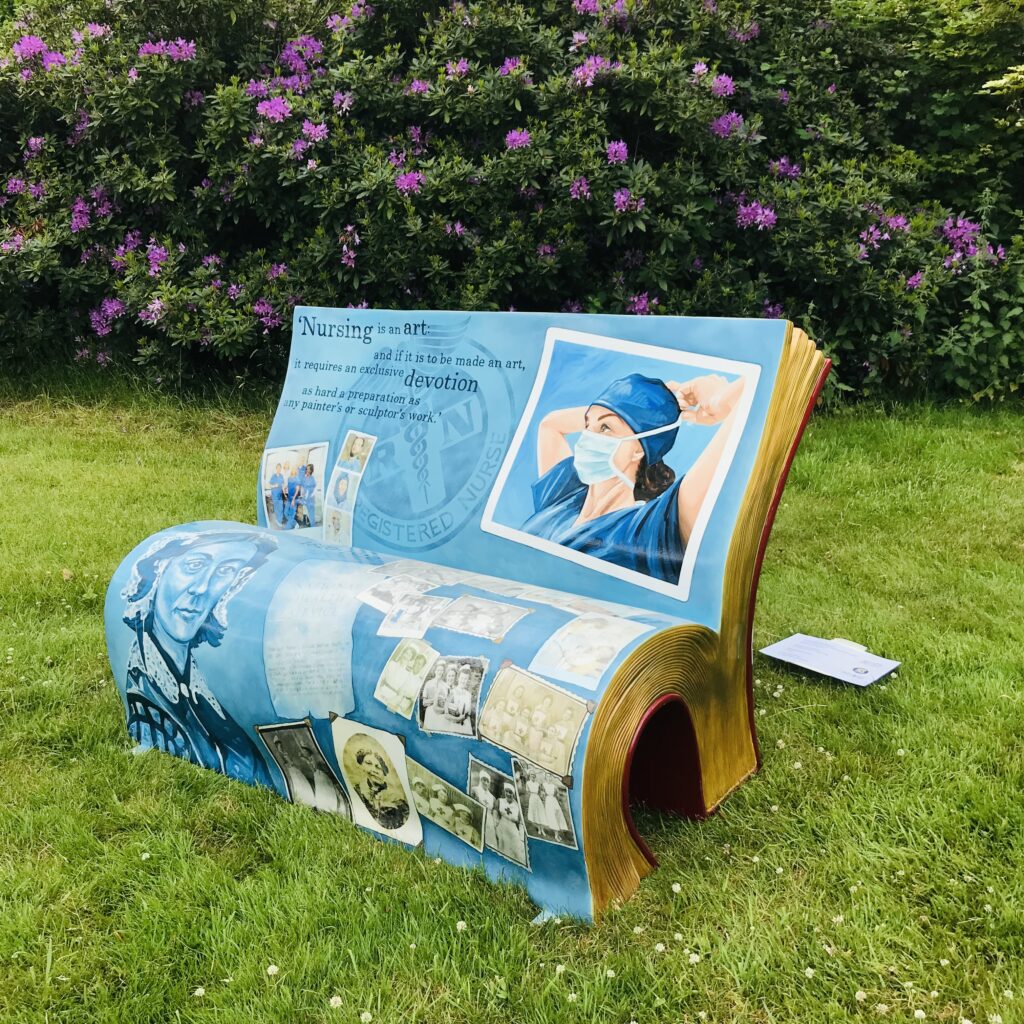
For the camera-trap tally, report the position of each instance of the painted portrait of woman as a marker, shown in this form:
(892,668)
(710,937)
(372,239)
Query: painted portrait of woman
(611,493)
(176,601)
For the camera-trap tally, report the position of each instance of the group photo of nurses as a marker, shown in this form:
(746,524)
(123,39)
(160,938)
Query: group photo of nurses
(292,482)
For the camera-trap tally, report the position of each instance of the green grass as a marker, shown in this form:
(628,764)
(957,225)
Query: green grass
(127,882)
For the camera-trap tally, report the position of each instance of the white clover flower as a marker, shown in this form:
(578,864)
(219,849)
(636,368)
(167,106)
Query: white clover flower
(1007,993)
(659,947)
(774,808)
(860,995)
(900,752)
(571,997)
(908,984)
(638,929)
(797,766)
(335,1002)
(557,920)
(987,908)
(778,871)
(761,711)
(366,1017)
(964,1020)
(755,859)
(934,994)
(695,958)
(609,973)
(273,969)
(144,855)
(838,919)
(781,744)
(919,1015)
(995,1018)
(676,887)
(943,962)
(460,926)
(560,969)
(199,992)
(809,972)
(846,778)
(412,945)
(679,938)
(881,1009)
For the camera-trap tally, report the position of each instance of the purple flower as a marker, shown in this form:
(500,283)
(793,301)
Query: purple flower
(28,47)
(157,256)
(257,87)
(722,85)
(510,64)
(14,186)
(617,152)
(152,313)
(33,147)
(456,68)
(700,69)
(412,181)
(417,86)
(108,311)
(276,109)
(396,158)
(783,97)
(725,125)
(772,311)
(896,222)
(53,59)
(641,304)
(579,189)
(235,290)
(593,68)
(749,215)
(133,74)
(744,35)
(585,6)
(784,168)
(831,89)
(297,51)
(572,306)
(254,140)
(546,251)
(914,281)
(457,229)
(37,189)
(81,354)
(518,138)
(194,98)
(177,50)
(579,39)
(625,202)
(103,359)
(80,214)
(314,132)
(277,270)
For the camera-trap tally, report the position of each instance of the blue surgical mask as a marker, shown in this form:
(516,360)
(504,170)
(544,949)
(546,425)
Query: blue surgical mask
(593,456)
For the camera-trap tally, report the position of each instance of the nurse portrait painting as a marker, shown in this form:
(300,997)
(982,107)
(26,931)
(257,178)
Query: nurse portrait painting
(619,455)
(176,601)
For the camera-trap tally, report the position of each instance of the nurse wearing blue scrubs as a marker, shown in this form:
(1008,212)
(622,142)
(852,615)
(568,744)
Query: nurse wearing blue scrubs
(291,502)
(308,491)
(356,457)
(611,495)
(277,494)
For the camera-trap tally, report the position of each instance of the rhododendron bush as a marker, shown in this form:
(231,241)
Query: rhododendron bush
(176,177)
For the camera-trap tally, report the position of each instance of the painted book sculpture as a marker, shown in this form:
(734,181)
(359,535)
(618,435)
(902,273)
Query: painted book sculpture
(501,587)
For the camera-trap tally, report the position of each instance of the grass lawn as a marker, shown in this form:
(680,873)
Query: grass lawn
(878,858)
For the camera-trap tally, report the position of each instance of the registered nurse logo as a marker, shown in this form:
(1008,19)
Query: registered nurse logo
(433,468)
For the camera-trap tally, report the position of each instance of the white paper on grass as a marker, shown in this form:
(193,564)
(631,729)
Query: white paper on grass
(307,639)
(838,659)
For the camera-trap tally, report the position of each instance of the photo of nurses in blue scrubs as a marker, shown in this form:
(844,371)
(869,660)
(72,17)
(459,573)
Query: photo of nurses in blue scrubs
(293,486)
(619,454)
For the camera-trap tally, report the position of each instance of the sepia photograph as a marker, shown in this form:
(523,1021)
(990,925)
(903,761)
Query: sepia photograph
(584,647)
(404,674)
(444,805)
(373,765)
(385,595)
(532,718)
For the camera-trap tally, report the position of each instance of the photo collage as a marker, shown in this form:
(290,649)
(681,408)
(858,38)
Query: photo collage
(343,487)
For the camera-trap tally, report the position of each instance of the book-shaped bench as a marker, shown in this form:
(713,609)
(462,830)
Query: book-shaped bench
(502,585)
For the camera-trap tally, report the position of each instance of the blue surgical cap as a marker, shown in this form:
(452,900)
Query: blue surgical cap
(644,403)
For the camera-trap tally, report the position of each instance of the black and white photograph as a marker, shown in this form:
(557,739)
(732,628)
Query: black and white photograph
(440,802)
(530,717)
(373,765)
(385,594)
(404,674)
(412,615)
(308,776)
(451,694)
(476,616)
(435,575)
(337,528)
(504,825)
(545,803)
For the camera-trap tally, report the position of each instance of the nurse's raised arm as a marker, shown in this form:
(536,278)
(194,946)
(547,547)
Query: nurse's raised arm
(553,436)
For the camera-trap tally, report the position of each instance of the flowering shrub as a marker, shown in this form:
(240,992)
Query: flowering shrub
(174,178)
